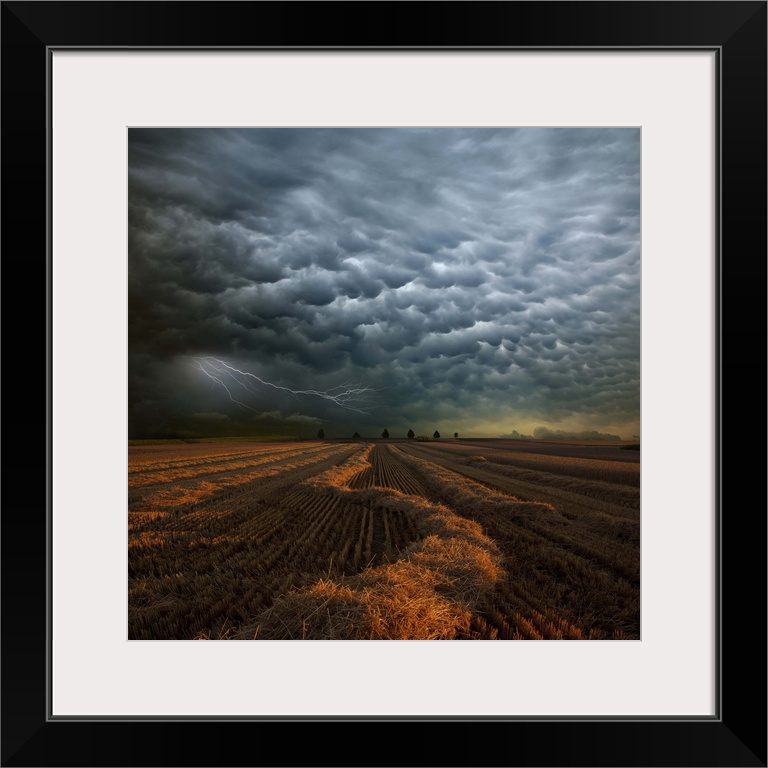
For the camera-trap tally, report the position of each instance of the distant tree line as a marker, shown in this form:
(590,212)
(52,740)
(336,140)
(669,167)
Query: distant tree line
(385,434)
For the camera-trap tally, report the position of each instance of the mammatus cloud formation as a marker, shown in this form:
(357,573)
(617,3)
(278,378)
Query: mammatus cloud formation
(479,280)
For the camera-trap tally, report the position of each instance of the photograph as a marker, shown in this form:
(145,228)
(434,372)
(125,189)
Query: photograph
(384,383)
(381,322)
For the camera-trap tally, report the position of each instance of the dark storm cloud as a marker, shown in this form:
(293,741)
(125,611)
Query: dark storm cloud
(478,277)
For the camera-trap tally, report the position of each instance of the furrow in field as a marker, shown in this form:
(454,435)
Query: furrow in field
(527,608)
(258,549)
(570,496)
(577,547)
(584,572)
(312,530)
(357,542)
(613,472)
(233,506)
(431,592)
(192,491)
(387,470)
(190,472)
(547,450)
(149,458)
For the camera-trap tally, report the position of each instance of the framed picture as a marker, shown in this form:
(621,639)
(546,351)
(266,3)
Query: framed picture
(87,84)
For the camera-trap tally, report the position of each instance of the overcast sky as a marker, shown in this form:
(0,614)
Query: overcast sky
(480,281)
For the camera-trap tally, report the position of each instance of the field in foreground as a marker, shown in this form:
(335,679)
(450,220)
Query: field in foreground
(475,540)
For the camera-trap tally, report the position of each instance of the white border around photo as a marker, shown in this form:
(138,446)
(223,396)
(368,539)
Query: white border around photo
(97,96)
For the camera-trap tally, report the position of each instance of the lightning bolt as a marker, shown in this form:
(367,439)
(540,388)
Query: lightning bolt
(350,395)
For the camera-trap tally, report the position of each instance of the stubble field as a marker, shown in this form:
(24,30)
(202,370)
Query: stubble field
(452,539)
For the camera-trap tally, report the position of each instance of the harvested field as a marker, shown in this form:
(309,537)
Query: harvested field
(383,540)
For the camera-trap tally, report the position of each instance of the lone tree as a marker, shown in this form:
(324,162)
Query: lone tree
(385,434)
(455,434)
(321,433)
(411,435)
(436,434)
(356,435)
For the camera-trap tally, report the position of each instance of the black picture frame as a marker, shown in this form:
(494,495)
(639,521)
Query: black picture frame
(736,736)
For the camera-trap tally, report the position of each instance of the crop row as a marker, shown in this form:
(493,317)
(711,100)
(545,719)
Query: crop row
(190,469)
(583,570)
(571,496)
(173,455)
(601,470)
(610,541)
(188,492)
(197,572)
(386,471)
(430,591)
(382,542)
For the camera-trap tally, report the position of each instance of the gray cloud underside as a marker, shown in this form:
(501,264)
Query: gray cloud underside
(485,272)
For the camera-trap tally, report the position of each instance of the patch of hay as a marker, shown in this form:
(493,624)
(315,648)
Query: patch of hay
(431,593)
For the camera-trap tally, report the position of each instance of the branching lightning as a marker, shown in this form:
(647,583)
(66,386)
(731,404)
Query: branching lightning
(350,395)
